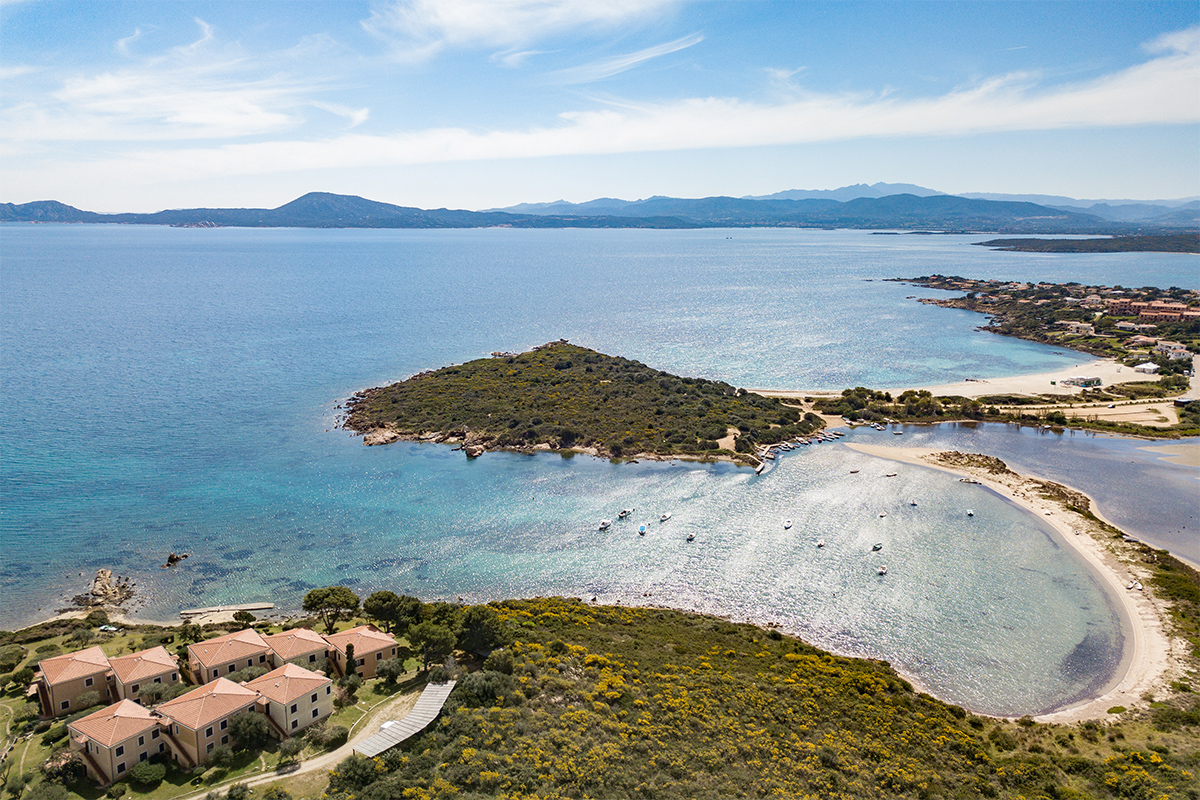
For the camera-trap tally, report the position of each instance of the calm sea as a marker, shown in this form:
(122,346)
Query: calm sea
(176,389)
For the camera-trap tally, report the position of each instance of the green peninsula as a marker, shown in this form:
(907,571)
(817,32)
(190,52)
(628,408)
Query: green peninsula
(560,396)
(1160,243)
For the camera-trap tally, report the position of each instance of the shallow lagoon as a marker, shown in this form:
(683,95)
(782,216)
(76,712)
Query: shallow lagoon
(173,390)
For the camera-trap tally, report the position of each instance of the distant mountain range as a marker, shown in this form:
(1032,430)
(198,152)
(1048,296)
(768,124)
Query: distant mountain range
(886,206)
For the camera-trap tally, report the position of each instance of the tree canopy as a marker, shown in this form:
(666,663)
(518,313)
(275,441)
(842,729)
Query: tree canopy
(331,604)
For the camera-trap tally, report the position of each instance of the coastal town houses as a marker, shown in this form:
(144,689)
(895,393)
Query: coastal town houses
(371,646)
(134,672)
(110,741)
(199,720)
(300,646)
(227,654)
(294,697)
(62,680)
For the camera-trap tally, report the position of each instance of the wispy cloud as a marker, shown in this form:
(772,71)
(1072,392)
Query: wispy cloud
(419,29)
(1144,94)
(203,89)
(604,68)
(356,116)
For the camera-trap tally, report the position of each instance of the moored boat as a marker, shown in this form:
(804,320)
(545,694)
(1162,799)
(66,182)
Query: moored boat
(665,517)
(787,523)
(877,546)
(605,524)
(882,569)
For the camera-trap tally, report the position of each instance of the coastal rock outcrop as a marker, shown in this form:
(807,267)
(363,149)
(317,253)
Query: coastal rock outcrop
(379,436)
(473,450)
(106,591)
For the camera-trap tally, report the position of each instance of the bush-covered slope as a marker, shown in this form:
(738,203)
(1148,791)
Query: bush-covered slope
(611,702)
(568,396)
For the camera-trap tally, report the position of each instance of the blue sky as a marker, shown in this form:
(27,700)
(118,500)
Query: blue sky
(137,106)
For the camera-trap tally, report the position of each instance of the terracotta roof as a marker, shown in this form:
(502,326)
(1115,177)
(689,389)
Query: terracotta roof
(115,724)
(208,703)
(287,683)
(296,642)
(230,647)
(365,638)
(142,665)
(73,666)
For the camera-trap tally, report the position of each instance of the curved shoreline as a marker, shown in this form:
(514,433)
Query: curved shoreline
(1152,656)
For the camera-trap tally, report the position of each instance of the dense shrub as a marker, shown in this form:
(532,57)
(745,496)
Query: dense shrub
(147,773)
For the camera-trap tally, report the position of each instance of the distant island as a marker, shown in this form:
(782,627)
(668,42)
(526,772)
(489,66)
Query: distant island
(937,212)
(1165,243)
(563,397)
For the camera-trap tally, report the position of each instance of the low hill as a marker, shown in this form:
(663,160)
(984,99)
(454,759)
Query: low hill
(612,702)
(564,396)
(894,211)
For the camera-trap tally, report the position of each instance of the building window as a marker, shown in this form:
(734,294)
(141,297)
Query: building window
(315,713)
(295,724)
(393,651)
(225,739)
(312,658)
(262,658)
(294,707)
(208,732)
(88,681)
(216,672)
(176,730)
(233,668)
(210,747)
(312,699)
(224,724)
(120,767)
(379,656)
(162,746)
(328,689)
(134,689)
(141,741)
(358,662)
(120,751)
(143,756)
(158,680)
(174,676)
(66,704)
(154,733)
(249,662)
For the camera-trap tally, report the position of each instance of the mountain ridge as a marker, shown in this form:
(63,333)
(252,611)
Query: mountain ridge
(904,211)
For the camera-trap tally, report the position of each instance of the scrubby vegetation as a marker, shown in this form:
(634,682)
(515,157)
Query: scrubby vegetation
(610,702)
(870,405)
(566,396)
(1161,243)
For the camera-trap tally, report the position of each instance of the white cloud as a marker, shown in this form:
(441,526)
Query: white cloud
(1146,94)
(356,116)
(7,73)
(597,70)
(122,45)
(419,29)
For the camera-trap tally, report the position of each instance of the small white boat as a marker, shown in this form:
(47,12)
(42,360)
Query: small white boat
(853,471)
(1137,585)
(882,569)
(787,523)
(665,517)
(912,502)
(1130,586)
(970,513)
(641,530)
(889,474)
(605,524)
(882,514)
(625,512)
(897,433)
(877,546)
(691,537)
(820,542)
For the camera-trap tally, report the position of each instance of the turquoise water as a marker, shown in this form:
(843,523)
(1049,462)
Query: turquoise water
(175,390)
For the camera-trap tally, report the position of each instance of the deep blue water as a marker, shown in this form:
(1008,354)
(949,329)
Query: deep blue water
(175,390)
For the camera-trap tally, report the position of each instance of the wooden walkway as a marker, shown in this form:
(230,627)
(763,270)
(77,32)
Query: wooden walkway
(391,733)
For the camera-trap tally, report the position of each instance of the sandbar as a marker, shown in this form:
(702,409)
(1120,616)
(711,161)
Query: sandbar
(1153,658)
(1186,454)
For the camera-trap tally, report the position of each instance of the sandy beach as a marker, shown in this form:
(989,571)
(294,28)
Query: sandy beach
(1107,370)
(1152,658)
